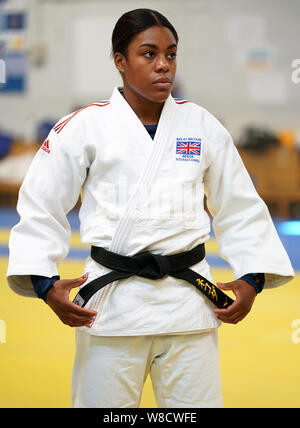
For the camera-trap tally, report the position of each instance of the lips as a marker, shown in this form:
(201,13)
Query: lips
(162,83)
(162,80)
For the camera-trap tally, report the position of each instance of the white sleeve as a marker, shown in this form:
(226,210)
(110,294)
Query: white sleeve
(51,188)
(244,230)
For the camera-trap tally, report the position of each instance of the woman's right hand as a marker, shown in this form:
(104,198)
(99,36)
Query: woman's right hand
(69,313)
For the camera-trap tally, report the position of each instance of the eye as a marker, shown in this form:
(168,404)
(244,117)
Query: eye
(149,54)
(172,55)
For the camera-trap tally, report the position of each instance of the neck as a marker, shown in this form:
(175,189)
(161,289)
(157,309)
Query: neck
(147,111)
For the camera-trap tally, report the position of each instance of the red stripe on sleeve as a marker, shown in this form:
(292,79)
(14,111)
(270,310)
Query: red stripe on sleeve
(66,121)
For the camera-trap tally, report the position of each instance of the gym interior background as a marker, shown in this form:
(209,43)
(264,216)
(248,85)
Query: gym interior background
(241,61)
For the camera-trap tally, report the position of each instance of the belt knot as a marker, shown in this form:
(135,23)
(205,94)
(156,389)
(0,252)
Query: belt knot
(153,266)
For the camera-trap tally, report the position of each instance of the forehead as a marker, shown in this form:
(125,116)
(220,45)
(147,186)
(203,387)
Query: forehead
(162,37)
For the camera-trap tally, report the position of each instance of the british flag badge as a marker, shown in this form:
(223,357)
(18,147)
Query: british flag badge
(188,150)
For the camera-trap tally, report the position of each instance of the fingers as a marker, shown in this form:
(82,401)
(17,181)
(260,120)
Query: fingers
(72,283)
(231,315)
(79,311)
(78,314)
(227,286)
(77,321)
(69,313)
(242,305)
(75,316)
(234,313)
(228,315)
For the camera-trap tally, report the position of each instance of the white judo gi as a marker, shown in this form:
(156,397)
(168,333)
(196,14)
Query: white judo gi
(138,195)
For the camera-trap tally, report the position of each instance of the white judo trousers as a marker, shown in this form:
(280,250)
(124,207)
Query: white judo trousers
(109,372)
(139,194)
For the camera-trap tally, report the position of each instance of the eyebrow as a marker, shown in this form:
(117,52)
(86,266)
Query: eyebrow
(149,45)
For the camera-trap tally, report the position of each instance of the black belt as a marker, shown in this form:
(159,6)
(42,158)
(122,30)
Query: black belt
(152,266)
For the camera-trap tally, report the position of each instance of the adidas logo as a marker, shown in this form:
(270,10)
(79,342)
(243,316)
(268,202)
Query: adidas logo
(45,146)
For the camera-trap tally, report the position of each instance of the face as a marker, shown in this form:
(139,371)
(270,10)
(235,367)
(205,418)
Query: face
(150,67)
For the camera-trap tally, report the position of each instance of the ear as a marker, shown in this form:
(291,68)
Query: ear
(120,60)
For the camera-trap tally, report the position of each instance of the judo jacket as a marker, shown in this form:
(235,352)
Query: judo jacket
(137,195)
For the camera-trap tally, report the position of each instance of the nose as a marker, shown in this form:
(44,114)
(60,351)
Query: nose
(162,64)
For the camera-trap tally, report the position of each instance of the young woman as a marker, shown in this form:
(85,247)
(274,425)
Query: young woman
(144,162)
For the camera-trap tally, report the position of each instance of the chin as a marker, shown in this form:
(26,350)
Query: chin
(160,96)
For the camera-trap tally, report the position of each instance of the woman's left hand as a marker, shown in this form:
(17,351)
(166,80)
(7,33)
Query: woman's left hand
(245,296)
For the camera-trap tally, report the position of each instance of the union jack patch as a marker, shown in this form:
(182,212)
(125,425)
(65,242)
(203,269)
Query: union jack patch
(188,149)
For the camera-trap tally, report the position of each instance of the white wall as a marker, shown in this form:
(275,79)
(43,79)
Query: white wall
(77,69)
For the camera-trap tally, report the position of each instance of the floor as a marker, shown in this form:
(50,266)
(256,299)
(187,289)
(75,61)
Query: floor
(259,356)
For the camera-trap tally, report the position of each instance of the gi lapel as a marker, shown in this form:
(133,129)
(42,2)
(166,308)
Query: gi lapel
(154,153)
